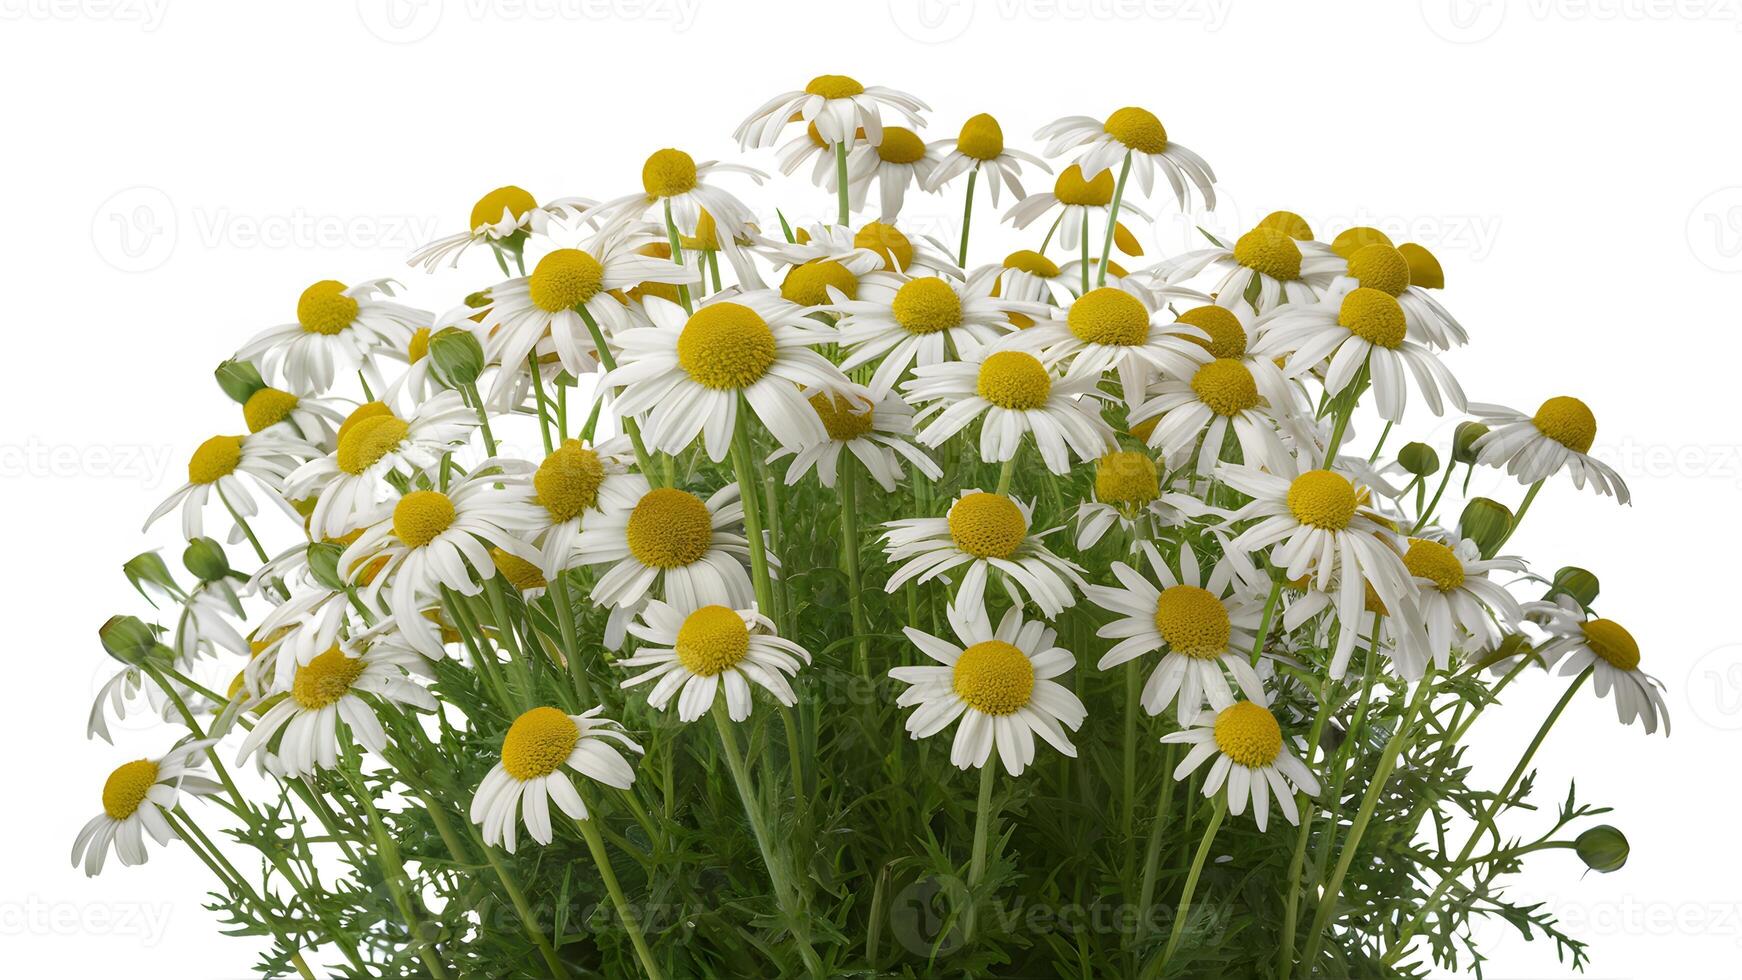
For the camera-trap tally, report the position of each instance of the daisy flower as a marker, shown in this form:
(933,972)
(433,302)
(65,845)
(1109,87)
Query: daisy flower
(1611,654)
(1377,265)
(1025,276)
(266,458)
(711,651)
(1303,605)
(877,434)
(837,105)
(986,532)
(999,683)
(1265,267)
(326,692)
(688,373)
(672,178)
(1128,492)
(1252,761)
(503,218)
(1459,603)
(136,797)
(1112,329)
(1135,135)
(1078,198)
(311,420)
(826,281)
(980,148)
(1017,394)
(1200,626)
(896,251)
(571,482)
(1536,447)
(337,327)
(538,747)
(900,159)
(1362,329)
(898,321)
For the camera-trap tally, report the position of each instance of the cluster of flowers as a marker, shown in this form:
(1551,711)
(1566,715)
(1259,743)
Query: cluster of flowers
(1191,418)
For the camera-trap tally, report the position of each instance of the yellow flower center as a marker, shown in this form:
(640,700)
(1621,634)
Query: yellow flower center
(1374,316)
(1435,562)
(726,346)
(538,742)
(888,242)
(1015,380)
(1110,316)
(987,525)
(421,515)
(1227,336)
(1031,262)
(1072,189)
(1607,639)
(417,348)
(1227,386)
(1126,478)
(1192,621)
(1352,240)
(805,284)
(668,173)
(711,640)
(564,279)
(1379,266)
(1290,224)
(994,678)
(707,236)
(1323,499)
(267,407)
(1270,252)
(519,572)
(981,138)
(367,410)
(1137,129)
(126,787)
(1248,734)
(670,529)
(215,459)
(834,87)
(367,440)
(900,145)
(489,208)
(568,480)
(1567,421)
(324,308)
(1424,269)
(926,306)
(325,679)
(839,418)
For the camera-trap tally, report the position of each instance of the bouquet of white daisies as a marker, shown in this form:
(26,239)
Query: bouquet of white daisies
(711,593)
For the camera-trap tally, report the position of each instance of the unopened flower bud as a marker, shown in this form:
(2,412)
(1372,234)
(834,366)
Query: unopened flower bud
(1602,848)
(1419,458)
(1463,439)
(1486,522)
(323,564)
(1578,583)
(457,355)
(127,639)
(206,559)
(239,379)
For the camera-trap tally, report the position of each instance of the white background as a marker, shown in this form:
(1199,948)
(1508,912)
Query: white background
(177,171)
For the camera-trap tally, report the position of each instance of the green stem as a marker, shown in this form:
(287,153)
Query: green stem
(841,213)
(1518,518)
(477,400)
(1152,858)
(523,908)
(1297,863)
(246,530)
(541,401)
(683,291)
(967,217)
(643,462)
(1269,615)
(1433,504)
(745,469)
(393,873)
(1112,221)
(983,817)
(631,923)
(849,478)
(1185,897)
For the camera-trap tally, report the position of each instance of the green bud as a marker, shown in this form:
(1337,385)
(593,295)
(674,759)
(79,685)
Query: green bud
(1485,522)
(1466,434)
(239,379)
(323,564)
(1419,458)
(1512,645)
(457,356)
(1602,848)
(206,559)
(1578,583)
(149,569)
(128,639)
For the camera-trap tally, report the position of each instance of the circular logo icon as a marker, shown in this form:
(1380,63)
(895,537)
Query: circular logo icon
(1463,21)
(919,914)
(932,21)
(134,230)
(1714,687)
(1715,230)
(400,21)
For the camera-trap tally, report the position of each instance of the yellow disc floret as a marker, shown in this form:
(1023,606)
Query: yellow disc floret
(216,458)
(1014,380)
(842,417)
(509,200)
(324,308)
(1374,316)
(1031,262)
(568,480)
(1126,478)
(565,279)
(538,742)
(1352,240)
(711,640)
(1192,621)
(367,440)
(806,284)
(1227,336)
(421,515)
(1290,224)
(1323,499)
(726,346)
(834,87)
(1072,189)
(519,572)
(267,407)
(1607,639)
(126,787)
(994,678)
(1379,266)
(981,138)
(670,528)
(1424,269)
(1567,421)
(900,145)
(1270,252)
(926,305)
(1137,129)
(1226,386)
(1434,562)
(367,410)
(887,241)
(1248,734)
(668,173)
(325,679)
(987,525)
(1110,316)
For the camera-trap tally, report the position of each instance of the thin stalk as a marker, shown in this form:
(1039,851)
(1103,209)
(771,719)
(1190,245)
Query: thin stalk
(1113,220)
(1518,518)
(631,923)
(849,479)
(393,872)
(683,290)
(1269,615)
(983,817)
(477,400)
(643,461)
(1152,858)
(1421,521)
(1297,863)
(1186,894)
(967,217)
(841,212)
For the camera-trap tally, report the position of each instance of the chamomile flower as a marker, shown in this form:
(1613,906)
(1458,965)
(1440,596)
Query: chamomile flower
(712,651)
(571,482)
(1127,492)
(673,179)
(1304,606)
(135,798)
(1459,602)
(838,106)
(980,148)
(985,532)
(1376,265)
(266,458)
(1201,625)
(337,328)
(306,419)
(1246,396)
(897,161)
(1364,328)
(1535,447)
(897,322)
(1264,267)
(895,250)
(826,281)
(505,217)
(1112,329)
(998,683)
(878,434)
(688,373)
(1610,652)
(326,692)
(1131,134)
(1252,760)
(1017,394)
(1025,276)
(1079,199)
(539,745)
